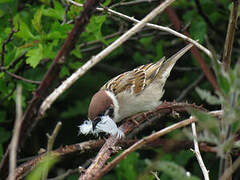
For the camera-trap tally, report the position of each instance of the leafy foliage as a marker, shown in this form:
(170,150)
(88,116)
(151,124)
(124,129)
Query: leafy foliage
(43,27)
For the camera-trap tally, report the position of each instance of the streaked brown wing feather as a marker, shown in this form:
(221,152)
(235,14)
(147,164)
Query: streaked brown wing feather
(120,83)
(136,80)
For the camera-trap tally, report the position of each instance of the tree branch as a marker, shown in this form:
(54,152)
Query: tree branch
(21,78)
(232,25)
(16,132)
(198,154)
(51,140)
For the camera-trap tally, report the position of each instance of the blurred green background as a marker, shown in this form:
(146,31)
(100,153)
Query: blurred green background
(43,27)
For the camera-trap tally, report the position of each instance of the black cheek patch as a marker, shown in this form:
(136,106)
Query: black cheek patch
(96,121)
(111,112)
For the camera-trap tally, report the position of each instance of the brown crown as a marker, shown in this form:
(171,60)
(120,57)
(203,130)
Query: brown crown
(99,104)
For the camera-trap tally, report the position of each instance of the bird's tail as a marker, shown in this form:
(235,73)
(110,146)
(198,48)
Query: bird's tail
(170,62)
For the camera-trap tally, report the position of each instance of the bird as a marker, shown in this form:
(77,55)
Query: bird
(129,93)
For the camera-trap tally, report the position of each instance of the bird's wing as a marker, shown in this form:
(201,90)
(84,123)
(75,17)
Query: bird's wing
(136,80)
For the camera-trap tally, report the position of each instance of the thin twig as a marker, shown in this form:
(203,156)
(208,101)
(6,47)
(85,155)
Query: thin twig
(14,62)
(142,142)
(131,3)
(155,175)
(198,154)
(66,9)
(21,78)
(95,59)
(232,25)
(105,38)
(51,140)
(16,131)
(154,26)
(5,42)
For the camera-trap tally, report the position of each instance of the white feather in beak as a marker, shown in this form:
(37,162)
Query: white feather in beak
(106,125)
(86,127)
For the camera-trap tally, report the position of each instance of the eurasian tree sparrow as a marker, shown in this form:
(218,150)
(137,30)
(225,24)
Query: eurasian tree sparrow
(129,93)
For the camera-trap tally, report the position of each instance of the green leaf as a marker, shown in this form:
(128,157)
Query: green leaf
(221,75)
(198,29)
(56,13)
(106,2)
(206,95)
(36,21)
(75,65)
(94,28)
(206,121)
(34,56)
(24,32)
(64,72)
(76,52)
(48,49)
(175,171)
(37,173)
(224,84)
(58,31)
